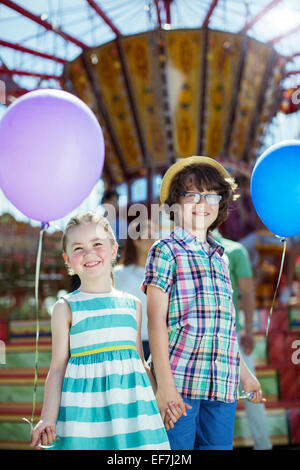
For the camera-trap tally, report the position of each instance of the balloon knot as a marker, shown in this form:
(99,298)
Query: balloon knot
(282,239)
(45,225)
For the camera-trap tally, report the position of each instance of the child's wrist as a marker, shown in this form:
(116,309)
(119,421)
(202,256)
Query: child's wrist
(165,382)
(246,375)
(48,420)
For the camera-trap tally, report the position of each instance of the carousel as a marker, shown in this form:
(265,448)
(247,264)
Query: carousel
(166,79)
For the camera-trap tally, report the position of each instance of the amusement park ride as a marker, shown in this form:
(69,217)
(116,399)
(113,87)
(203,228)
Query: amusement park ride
(170,92)
(196,83)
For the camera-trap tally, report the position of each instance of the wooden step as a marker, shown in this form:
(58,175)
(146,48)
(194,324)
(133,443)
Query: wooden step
(20,392)
(277,421)
(15,435)
(25,346)
(16,445)
(30,340)
(17,356)
(22,372)
(14,412)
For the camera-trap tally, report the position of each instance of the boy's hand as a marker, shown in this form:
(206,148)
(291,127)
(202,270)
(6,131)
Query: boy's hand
(43,434)
(251,384)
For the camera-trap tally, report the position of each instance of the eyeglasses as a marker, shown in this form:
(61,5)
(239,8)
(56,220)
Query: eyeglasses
(191,197)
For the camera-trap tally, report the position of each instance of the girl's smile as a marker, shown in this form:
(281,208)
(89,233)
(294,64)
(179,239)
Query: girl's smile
(92,264)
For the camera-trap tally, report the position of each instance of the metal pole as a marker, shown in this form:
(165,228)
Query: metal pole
(101,13)
(29,74)
(37,19)
(209,13)
(20,48)
(262,13)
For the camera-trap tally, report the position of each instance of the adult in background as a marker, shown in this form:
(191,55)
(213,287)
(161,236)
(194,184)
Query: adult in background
(129,273)
(113,213)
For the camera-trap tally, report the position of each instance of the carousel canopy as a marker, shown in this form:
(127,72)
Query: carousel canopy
(165,78)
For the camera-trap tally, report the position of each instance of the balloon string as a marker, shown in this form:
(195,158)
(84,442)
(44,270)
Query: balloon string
(284,240)
(44,226)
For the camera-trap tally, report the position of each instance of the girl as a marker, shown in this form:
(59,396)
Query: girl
(97,389)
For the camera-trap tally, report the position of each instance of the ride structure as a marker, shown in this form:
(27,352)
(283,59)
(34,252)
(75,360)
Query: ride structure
(169,91)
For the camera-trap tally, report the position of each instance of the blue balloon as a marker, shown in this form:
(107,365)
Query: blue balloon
(275,188)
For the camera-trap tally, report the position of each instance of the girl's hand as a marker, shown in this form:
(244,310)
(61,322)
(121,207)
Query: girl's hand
(44,434)
(172,415)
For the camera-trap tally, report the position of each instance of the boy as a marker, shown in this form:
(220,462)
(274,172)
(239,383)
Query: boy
(191,324)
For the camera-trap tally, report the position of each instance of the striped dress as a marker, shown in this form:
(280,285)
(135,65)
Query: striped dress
(107,400)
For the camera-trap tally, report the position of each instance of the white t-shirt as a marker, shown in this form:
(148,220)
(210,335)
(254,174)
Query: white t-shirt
(129,279)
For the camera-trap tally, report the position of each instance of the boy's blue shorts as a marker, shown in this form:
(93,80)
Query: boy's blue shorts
(209,425)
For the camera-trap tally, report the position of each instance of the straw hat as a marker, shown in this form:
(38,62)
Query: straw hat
(182,163)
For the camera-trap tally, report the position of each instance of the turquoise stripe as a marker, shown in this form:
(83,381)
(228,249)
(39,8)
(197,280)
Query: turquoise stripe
(103,345)
(100,384)
(107,413)
(101,303)
(116,442)
(107,321)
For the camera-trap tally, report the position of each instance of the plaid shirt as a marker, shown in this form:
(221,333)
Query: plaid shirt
(203,348)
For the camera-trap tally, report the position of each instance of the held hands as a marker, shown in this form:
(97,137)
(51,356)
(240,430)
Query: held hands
(44,434)
(171,406)
(172,415)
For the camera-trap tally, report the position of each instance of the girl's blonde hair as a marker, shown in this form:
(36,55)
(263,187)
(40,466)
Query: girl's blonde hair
(85,218)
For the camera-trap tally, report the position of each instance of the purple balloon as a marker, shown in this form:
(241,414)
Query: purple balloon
(51,153)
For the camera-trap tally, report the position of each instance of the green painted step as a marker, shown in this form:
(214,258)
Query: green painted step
(20,393)
(260,350)
(268,380)
(277,422)
(14,431)
(294,317)
(27,359)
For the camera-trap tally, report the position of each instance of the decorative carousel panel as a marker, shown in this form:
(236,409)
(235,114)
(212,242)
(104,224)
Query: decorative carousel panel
(222,65)
(110,85)
(255,69)
(184,51)
(144,78)
(78,82)
(168,94)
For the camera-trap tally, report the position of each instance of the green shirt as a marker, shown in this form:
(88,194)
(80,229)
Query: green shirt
(239,267)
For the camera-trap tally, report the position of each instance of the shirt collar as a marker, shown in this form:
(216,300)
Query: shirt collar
(189,238)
